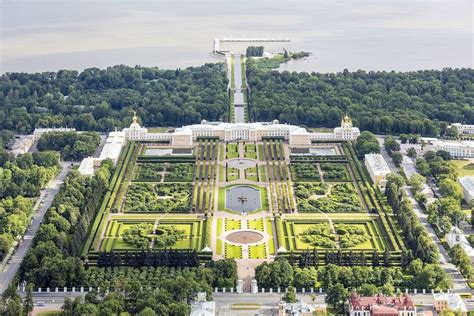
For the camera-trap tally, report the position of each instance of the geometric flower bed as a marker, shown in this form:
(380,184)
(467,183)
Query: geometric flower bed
(362,234)
(130,234)
(327,198)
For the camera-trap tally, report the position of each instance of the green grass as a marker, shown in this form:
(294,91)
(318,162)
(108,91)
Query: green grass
(232,224)
(271,242)
(263,173)
(260,152)
(243,306)
(465,167)
(242,65)
(233,252)
(271,63)
(232,72)
(257,252)
(256,224)
(251,174)
(294,228)
(232,155)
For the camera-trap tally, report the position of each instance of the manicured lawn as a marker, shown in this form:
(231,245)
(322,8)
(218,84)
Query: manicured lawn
(271,242)
(365,235)
(257,252)
(231,224)
(260,152)
(263,173)
(232,155)
(232,174)
(251,174)
(233,252)
(256,224)
(465,167)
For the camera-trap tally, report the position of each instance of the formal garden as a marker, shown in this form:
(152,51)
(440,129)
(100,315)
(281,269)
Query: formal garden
(327,198)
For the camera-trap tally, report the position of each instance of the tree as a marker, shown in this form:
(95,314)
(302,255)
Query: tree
(366,143)
(411,152)
(391,145)
(417,182)
(368,290)
(336,295)
(452,132)
(451,188)
(28,302)
(290,295)
(397,158)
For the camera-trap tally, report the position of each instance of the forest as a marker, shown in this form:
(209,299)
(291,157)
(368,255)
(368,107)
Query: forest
(102,99)
(420,102)
(21,180)
(72,145)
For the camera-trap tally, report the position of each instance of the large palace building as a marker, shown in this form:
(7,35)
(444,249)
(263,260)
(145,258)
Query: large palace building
(295,135)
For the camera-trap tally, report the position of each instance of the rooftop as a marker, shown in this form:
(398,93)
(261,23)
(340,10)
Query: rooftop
(467,183)
(454,301)
(377,163)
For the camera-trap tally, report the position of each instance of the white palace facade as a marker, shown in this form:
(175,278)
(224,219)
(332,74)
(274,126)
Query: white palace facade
(295,135)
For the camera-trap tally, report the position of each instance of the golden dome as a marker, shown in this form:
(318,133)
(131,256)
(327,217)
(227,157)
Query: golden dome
(346,120)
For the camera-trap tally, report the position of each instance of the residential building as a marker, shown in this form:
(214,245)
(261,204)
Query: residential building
(467,184)
(38,132)
(22,145)
(300,308)
(457,149)
(111,150)
(201,307)
(378,169)
(449,301)
(463,129)
(380,305)
(457,237)
(295,135)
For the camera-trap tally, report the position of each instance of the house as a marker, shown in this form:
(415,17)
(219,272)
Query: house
(300,308)
(457,237)
(467,184)
(380,305)
(378,169)
(22,145)
(449,301)
(201,307)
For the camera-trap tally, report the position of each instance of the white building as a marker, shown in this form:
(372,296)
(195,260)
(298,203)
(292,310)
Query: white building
(22,145)
(467,184)
(300,308)
(449,301)
(201,307)
(378,169)
(459,149)
(38,132)
(111,150)
(295,135)
(463,129)
(457,237)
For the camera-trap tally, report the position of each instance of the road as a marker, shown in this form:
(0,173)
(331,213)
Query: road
(48,194)
(459,283)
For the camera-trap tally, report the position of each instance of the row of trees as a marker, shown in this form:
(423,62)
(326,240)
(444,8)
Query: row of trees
(72,145)
(417,240)
(53,260)
(254,51)
(102,99)
(339,281)
(445,211)
(366,143)
(419,102)
(20,180)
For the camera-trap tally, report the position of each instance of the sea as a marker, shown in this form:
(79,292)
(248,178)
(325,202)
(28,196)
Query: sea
(400,35)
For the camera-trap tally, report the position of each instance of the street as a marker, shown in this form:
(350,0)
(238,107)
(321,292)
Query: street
(459,283)
(47,195)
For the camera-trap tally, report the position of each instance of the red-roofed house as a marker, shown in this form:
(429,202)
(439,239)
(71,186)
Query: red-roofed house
(380,305)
